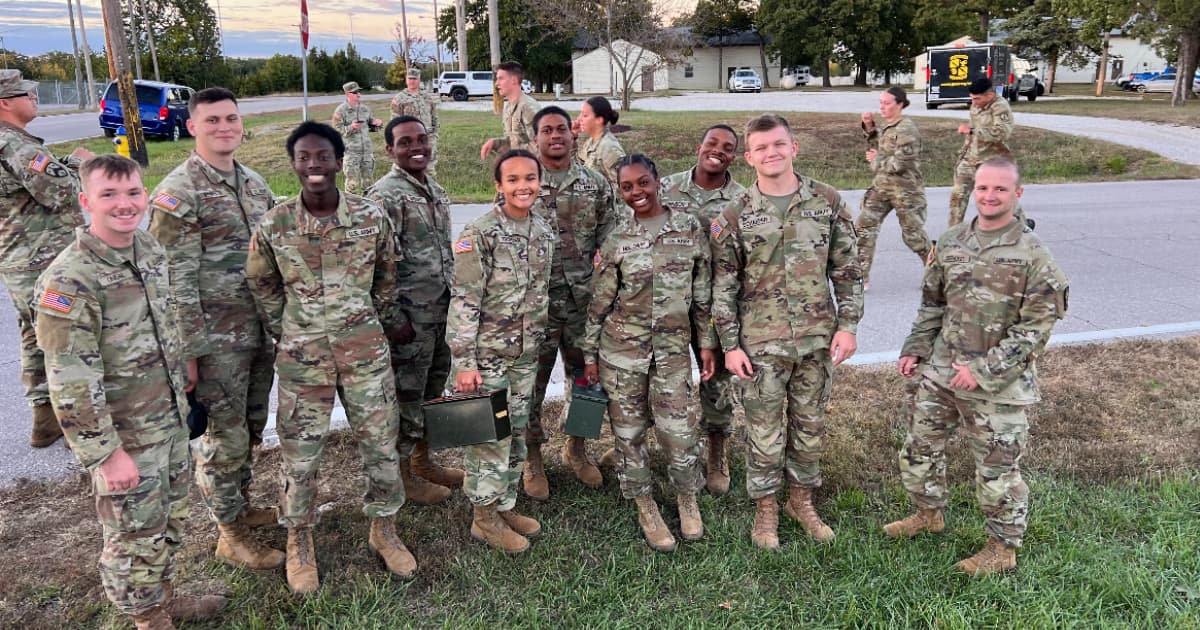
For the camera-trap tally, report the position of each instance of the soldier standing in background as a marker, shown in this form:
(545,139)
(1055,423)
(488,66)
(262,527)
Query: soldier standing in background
(118,381)
(39,210)
(987,137)
(424,107)
(322,268)
(702,191)
(353,120)
(517,113)
(598,149)
(204,211)
(894,154)
(420,213)
(989,300)
(577,203)
(778,249)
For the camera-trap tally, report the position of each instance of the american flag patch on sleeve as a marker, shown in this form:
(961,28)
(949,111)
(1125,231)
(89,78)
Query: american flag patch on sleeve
(56,301)
(715,229)
(598,259)
(166,202)
(40,163)
(464,245)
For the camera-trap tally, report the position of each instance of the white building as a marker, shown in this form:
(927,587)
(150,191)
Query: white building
(593,73)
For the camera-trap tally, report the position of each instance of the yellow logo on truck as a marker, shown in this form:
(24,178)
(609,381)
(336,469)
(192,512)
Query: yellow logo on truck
(958,67)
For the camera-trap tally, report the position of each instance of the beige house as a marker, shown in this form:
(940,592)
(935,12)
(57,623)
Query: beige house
(592,72)
(712,61)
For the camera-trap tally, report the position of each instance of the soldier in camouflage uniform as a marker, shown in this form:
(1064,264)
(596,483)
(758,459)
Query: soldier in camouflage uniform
(894,153)
(203,212)
(702,191)
(777,249)
(419,210)
(118,381)
(322,268)
(651,295)
(577,204)
(39,210)
(423,107)
(353,120)
(517,113)
(987,136)
(597,148)
(989,300)
(498,308)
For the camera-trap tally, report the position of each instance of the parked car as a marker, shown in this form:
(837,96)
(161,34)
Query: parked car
(1029,86)
(802,74)
(526,86)
(461,86)
(745,80)
(1164,82)
(162,107)
(1127,81)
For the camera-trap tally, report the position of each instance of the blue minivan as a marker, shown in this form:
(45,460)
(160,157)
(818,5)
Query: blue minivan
(163,108)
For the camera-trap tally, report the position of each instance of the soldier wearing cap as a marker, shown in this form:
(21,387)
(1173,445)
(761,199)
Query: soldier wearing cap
(986,137)
(39,210)
(353,120)
(424,107)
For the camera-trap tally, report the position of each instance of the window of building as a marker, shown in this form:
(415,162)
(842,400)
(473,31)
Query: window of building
(689,71)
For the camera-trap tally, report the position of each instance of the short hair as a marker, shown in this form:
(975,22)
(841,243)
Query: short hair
(388,136)
(1001,162)
(900,95)
(637,158)
(766,122)
(602,108)
(112,165)
(314,128)
(546,111)
(512,67)
(516,153)
(724,127)
(982,85)
(210,95)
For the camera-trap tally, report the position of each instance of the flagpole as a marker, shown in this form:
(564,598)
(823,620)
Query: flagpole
(304,52)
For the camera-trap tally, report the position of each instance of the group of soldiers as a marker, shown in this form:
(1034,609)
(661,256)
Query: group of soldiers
(369,299)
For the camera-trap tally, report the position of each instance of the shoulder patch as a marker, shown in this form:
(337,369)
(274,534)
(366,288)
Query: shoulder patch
(39,163)
(57,301)
(166,202)
(932,256)
(598,259)
(464,245)
(717,228)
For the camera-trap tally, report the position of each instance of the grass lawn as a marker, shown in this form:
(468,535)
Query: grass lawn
(1113,532)
(831,149)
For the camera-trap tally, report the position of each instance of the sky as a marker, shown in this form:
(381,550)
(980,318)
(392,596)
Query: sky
(251,28)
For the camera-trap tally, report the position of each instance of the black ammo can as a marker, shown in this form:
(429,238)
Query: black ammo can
(585,416)
(465,419)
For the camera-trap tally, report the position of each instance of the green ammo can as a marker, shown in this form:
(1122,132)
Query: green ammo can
(465,419)
(586,414)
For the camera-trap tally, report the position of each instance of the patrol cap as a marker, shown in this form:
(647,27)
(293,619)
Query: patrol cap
(11,84)
(980,86)
(414,73)
(351,86)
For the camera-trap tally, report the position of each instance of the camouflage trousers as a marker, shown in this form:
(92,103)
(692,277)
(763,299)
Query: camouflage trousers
(492,471)
(33,367)
(143,527)
(997,434)
(565,328)
(421,367)
(910,211)
(717,396)
(785,404)
(235,388)
(369,397)
(960,192)
(660,398)
(359,166)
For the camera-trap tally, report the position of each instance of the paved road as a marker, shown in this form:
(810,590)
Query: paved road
(1130,249)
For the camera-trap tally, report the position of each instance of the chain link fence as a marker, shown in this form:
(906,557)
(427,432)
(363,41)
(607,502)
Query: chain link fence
(65,94)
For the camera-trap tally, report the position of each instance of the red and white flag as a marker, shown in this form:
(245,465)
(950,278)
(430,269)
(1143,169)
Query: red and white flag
(304,23)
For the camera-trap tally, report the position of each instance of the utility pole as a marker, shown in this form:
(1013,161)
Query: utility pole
(494,49)
(87,60)
(75,48)
(437,51)
(460,31)
(137,41)
(150,38)
(404,34)
(118,56)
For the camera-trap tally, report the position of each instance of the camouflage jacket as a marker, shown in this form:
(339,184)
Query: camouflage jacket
(39,201)
(518,125)
(652,294)
(500,300)
(204,223)
(897,154)
(420,216)
(601,155)
(991,126)
(324,290)
(679,192)
(578,207)
(772,272)
(990,308)
(422,106)
(114,356)
(357,140)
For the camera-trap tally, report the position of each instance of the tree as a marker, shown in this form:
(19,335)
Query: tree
(1039,32)
(1100,18)
(544,53)
(188,40)
(800,33)
(720,19)
(983,10)
(1174,27)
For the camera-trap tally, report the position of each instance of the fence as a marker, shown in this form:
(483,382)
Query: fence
(65,94)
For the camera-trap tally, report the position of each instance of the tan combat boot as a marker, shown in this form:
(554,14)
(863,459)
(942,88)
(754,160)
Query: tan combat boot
(653,528)
(799,507)
(609,458)
(487,526)
(523,525)
(995,557)
(690,523)
(46,429)
(384,541)
(575,456)
(766,523)
(258,517)
(718,467)
(302,575)
(237,546)
(922,521)
(154,619)
(185,608)
(418,490)
(533,477)
(424,466)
